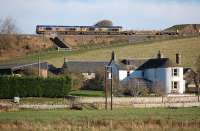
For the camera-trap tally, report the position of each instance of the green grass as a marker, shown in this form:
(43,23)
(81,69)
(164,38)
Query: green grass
(88,93)
(96,120)
(176,114)
(36,100)
(188,47)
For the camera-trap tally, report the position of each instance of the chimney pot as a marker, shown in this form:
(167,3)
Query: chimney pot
(178,58)
(113,55)
(159,55)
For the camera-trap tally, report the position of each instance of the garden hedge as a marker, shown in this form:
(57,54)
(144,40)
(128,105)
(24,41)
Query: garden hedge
(34,87)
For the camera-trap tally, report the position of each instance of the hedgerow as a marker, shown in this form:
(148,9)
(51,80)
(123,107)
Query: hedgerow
(34,87)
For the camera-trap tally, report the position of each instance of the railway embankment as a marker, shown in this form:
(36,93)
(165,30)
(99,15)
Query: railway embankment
(12,46)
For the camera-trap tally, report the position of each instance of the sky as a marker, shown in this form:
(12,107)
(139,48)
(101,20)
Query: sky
(131,14)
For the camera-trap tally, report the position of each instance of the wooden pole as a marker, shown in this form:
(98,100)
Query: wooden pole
(198,86)
(39,65)
(111,91)
(105,88)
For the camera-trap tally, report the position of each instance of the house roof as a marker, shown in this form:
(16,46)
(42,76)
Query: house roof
(85,66)
(131,63)
(156,63)
(16,66)
(147,63)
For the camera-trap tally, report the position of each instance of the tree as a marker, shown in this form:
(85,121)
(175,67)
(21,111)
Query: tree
(104,23)
(157,89)
(8,26)
(96,83)
(136,88)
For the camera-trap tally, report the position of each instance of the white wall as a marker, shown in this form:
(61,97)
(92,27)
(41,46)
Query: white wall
(158,74)
(179,78)
(133,74)
(164,75)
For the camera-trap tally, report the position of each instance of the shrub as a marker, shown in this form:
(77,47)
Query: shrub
(34,87)
(96,83)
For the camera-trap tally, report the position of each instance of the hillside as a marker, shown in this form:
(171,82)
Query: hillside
(188,47)
(185,28)
(12,46)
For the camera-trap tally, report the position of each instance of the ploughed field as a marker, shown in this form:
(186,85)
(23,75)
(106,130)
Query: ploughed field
(187,47)
(96,120)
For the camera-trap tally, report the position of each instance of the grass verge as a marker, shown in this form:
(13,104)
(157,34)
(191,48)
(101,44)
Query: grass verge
(124,119)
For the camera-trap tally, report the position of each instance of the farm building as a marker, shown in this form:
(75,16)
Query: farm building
(25,68)
(87,68)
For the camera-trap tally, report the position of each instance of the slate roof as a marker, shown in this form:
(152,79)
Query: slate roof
(156,63)
(85,66)
(131,63)
(148,63)
(15,66)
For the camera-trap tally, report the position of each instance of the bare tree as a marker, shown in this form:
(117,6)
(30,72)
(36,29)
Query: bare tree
(135,88)
(8,26)
(157,89)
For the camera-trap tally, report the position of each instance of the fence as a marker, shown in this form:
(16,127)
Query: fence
(167,101)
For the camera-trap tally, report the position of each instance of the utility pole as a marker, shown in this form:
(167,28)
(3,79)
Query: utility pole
(105,88)
(39,65)
(111,90)
(108,76)
(198,77)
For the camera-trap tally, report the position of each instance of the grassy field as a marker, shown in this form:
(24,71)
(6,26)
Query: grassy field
(123,119)
(36,100)
(43,100)
(87,93)
(188,47)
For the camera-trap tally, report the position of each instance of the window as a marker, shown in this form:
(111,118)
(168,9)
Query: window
(175,85)
(48,28)
(175,72)
(128,73)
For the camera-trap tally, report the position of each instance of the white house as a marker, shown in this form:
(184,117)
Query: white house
(159,69)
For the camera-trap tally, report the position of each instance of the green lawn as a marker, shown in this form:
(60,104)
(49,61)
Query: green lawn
(188,47)
(36,100)
(177,114)
(87,93)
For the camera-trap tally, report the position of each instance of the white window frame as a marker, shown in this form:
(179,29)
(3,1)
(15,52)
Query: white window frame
(173,84)
(175,73)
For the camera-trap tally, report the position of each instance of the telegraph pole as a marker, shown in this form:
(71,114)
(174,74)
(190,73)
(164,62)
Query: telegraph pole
(111,90)
(198,83)
(39,65)
(105,86)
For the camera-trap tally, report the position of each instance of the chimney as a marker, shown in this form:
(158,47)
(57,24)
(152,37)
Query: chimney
(178,58)
(159,55)
(113,56)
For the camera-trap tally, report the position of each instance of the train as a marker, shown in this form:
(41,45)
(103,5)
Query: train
(81,30)
(95,30)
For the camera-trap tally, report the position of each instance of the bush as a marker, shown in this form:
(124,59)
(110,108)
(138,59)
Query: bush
(34,87)
(96,83)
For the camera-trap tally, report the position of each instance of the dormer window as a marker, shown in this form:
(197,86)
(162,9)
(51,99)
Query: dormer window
(175,72)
